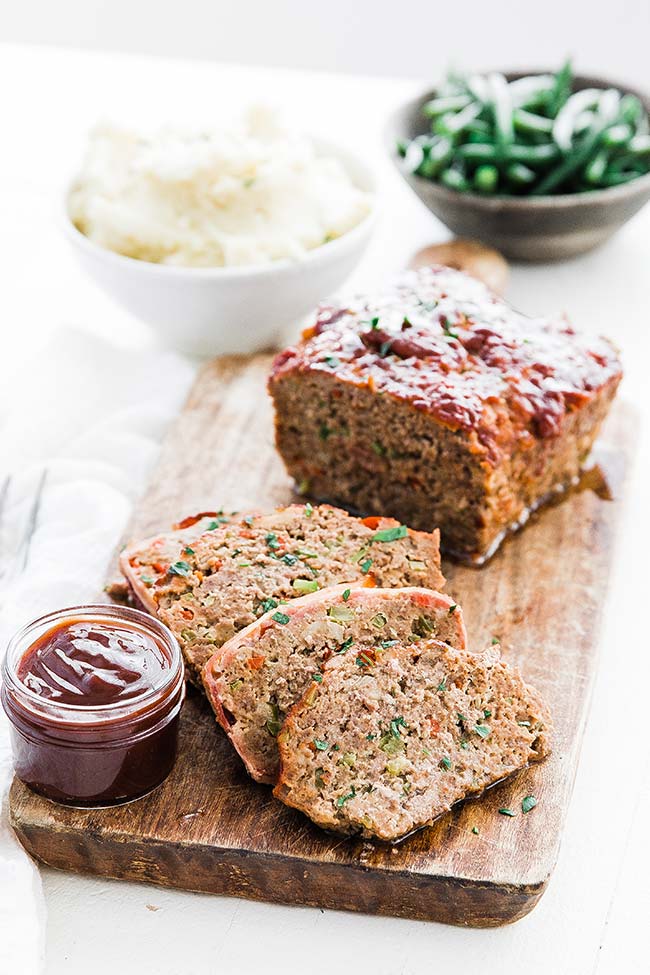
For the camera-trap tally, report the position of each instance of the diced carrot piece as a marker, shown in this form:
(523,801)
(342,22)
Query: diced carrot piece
(256,662)
(369,582)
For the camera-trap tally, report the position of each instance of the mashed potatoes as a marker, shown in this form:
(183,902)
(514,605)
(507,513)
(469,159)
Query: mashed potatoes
(253,193)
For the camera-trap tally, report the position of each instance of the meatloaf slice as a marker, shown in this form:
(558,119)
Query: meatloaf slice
(385,748)
(259,674)
(231,576)
(437,403)
(144,563)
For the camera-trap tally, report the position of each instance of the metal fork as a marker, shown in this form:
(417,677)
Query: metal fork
(13,565)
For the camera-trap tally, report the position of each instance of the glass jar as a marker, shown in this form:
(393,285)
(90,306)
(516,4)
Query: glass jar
(90,754)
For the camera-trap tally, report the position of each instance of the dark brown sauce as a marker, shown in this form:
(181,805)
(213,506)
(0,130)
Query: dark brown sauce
(91,663)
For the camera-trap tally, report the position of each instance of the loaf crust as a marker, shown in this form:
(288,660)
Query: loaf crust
(258,675)
(437,403)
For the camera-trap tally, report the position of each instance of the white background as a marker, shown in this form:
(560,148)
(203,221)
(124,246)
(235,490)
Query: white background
(594,916)
(406,38)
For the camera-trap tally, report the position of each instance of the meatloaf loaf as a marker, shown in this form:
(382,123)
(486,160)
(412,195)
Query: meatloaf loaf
(384,749)
(439,404)
(259,674)
(229,576)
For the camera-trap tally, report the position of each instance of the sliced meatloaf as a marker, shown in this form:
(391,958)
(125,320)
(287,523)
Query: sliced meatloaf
(259,674)
(384,749)
(230,576)
(144,563)
(437,403)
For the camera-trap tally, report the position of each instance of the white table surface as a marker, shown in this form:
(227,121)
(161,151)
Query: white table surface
(594,914)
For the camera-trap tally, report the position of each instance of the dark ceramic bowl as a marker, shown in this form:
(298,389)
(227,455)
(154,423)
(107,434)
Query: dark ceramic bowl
(543,228)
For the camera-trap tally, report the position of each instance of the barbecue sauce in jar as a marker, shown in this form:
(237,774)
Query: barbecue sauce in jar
(93,695)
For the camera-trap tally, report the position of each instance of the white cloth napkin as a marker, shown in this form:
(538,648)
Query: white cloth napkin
(94,419)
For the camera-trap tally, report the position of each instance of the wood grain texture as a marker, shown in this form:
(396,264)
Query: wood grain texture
(210,828)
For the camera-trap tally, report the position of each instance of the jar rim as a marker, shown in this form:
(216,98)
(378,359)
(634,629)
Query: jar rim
(20,643)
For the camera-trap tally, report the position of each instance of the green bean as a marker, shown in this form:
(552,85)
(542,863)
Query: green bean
(486,179)
(533,155)
(529,122)
(530,136)
(477,152)
(561,90)
(631,109)
(520,175)
(617,136)
(440,106)
(455,124)
(502,109)
(595,170)
(439,154)
(454,179)
(576,159)
(640,145)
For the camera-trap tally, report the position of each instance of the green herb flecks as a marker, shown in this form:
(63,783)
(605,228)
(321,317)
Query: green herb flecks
(281,618)
(528,803)
(507,812)
(390,534)
(482,730)
(346,595)
(180,569)
(272,541)
(445,762)
(343,799)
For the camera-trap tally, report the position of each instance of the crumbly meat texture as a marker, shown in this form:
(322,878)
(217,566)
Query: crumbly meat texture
(144,563)
(238,571)
(256,677)
(385,749)
(437,403)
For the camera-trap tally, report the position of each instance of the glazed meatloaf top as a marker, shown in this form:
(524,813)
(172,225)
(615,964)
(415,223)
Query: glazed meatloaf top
(386,750)
(258,675)
(441,341)
(230,576)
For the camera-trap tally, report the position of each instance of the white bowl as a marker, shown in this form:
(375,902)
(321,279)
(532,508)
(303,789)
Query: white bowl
(229,310)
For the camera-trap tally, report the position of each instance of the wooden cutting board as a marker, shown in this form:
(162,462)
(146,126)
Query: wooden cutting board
(210,828)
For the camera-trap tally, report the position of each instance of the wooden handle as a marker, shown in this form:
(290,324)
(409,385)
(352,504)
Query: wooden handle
(475,258)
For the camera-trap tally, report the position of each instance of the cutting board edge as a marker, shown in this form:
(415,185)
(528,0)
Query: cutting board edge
(205,869)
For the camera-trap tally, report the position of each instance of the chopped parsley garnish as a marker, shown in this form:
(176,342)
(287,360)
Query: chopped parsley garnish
(180,569)
(370,737)
(445,762)
(475,830)
(487,713)
(216,523)
(188,551)
(289,559)
(507,812)
(365,565)
(309,510)
(374,323)
(452,609)
(272,541)
(318,678)
(346,595)
(390,534)
(446,327)
(305,585)
(378,448)
(528,803)
(332,361)
(280,617)
(442,686)
(482,730)
(364,659)
(345,645)
(464,744)
(322,746)
(395,725)
(461,717)
(388,643)
(494,641)
(349,795)
(385,347)
(324,432)
(268,604)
